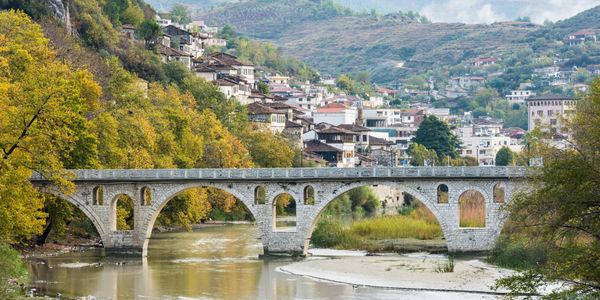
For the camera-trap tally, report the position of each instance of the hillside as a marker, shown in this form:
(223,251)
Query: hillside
(387,46)
(337,41)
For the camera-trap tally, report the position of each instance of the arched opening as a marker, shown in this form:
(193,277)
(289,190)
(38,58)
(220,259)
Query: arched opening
(357,219)
(442,193)
(146,196)
(98,196)
(284,213)
(498,193)
(67,223)
(205,220)
(309,195)
(260,195)
(471,209)
(123,213)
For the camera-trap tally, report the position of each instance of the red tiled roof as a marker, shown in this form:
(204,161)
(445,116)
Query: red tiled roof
(332,107)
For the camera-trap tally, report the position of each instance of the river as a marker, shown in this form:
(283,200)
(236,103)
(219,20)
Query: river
(216,262)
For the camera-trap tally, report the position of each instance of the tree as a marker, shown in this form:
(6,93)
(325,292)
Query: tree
(504,157)
(420,155)
(485,97)
(43,104)
(435,134)
(268,150)
(180,14)
(149,31)
(562,211)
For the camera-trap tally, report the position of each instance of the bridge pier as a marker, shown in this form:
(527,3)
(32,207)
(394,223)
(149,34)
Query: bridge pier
(125,243)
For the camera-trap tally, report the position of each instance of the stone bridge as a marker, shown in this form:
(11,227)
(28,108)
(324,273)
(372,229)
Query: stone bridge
(438,188)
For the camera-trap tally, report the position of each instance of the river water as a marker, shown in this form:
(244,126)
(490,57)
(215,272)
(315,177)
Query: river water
(219,262)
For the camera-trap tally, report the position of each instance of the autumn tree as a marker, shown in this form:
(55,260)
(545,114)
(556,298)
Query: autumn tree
(43,105)
(420,155)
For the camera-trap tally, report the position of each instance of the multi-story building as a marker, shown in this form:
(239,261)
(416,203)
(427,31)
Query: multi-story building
(548,110)
(483,138)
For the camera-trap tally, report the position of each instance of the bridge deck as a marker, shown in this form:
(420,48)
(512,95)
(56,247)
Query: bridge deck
(294,174)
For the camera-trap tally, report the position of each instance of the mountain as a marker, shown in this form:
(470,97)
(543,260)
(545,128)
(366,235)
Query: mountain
(477,11)
(335,40)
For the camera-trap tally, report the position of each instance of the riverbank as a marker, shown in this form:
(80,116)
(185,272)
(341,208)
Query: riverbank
(417,271)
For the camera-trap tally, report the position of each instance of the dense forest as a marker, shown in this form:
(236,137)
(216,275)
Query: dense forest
(76,95)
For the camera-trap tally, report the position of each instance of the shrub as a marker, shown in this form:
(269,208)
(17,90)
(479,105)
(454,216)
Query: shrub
(519,252)
(332,233)
(12,273)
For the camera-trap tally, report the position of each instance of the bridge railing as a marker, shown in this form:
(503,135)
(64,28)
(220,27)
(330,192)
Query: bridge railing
(295,173)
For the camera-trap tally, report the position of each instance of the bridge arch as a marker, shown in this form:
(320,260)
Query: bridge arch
(114,203)
(415,191)
(164,195)
(87,210)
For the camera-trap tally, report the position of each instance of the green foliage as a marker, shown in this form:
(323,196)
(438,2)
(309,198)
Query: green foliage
(181,14)
(332,233)
(355,86)
(517,252)
(562,208)
(435,134)
(420,155)
(94,27)
(267,56)
(504,157)
(13,273)
(149,31)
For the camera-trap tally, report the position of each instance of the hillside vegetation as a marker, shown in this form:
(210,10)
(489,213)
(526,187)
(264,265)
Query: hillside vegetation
(336,40)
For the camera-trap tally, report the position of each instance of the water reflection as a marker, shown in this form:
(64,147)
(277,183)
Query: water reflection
(211,263)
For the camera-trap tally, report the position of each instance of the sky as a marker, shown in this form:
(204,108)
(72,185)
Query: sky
(480,11)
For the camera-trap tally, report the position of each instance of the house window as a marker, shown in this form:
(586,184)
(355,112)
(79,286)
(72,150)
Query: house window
(553,122)
(550,113)
(469,151)
(540,113)
(364,138)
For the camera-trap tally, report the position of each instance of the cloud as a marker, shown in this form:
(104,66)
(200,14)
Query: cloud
(464,11)
(489,11)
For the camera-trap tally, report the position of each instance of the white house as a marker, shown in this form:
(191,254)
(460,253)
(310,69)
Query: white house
(335,114)
(519,96)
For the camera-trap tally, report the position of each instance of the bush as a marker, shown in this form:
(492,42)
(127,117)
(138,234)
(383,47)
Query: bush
(13,274)
(517,252)
(331,233)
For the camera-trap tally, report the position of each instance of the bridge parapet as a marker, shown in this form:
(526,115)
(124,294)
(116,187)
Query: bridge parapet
(294,174)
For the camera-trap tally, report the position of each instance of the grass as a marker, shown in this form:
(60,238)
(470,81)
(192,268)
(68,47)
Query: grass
(366,233)
(472,210)
(447,267)
(395,227)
